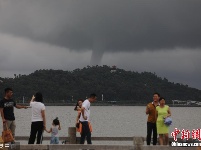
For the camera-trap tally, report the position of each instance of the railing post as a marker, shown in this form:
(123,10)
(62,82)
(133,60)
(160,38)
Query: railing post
(72,135)
(138,142)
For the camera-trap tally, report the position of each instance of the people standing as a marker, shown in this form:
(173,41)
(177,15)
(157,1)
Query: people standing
(162,112)
(54,130)
(85,117)
(38,119)
(7,105)
(151,120)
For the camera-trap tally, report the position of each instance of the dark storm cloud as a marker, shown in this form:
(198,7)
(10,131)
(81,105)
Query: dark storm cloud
(161,36)
(105,25)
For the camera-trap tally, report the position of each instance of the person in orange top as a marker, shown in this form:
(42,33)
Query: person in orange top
(151,121)
(78,109)
(78,124)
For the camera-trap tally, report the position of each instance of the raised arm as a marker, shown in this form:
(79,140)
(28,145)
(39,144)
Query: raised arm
(20,106)
(32,99)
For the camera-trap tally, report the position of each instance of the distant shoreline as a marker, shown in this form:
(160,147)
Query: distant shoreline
(106,104)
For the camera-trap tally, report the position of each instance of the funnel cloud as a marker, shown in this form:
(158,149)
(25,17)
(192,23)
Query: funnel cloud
(115,25)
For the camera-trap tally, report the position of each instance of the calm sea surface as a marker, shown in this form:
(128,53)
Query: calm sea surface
(109,121)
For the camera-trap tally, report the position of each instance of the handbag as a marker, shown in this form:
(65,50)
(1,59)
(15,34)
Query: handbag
(168,121)
(7,135)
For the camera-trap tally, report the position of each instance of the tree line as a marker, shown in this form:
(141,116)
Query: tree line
(113,83)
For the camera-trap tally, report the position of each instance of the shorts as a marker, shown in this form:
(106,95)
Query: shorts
(54,140)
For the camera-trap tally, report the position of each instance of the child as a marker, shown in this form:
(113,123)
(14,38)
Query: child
(54,130)
(78,109)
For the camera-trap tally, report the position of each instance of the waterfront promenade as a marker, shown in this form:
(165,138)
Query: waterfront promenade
(72,144)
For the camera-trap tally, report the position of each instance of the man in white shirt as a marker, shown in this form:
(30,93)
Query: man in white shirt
(84,119)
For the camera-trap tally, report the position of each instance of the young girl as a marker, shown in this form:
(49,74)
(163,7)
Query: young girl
(78,109)
(54,130)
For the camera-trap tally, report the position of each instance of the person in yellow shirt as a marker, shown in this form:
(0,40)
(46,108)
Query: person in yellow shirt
(162,112)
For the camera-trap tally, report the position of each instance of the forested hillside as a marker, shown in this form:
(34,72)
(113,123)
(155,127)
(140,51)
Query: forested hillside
(115,85)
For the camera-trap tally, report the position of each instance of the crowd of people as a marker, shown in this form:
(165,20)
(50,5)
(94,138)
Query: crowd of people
(38,124)
(156,110)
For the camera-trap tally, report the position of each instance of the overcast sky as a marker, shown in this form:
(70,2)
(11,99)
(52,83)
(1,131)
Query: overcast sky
(161,36)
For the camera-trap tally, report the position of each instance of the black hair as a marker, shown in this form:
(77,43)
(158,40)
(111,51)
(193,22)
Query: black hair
(7,90)
(56,121)
(39,97)
(93,95)
(157,94)
(161,98)
(78,104)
